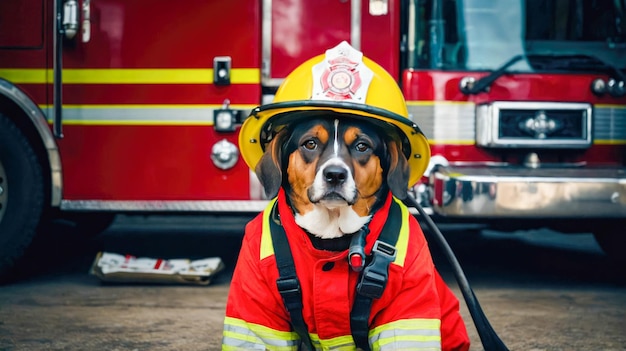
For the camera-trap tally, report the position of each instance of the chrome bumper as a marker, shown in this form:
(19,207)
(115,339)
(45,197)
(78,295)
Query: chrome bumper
(533,193)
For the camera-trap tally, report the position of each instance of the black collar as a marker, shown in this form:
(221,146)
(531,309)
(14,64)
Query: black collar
(341,243)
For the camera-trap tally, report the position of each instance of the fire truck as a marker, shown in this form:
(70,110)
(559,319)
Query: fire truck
(115,106)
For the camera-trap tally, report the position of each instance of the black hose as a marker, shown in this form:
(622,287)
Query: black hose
(488,336)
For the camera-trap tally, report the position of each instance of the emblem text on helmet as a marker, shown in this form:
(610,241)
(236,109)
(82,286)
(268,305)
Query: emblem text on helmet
(342,76)
(341,80)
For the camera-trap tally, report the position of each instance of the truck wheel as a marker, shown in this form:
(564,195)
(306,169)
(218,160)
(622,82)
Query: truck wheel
(21,194)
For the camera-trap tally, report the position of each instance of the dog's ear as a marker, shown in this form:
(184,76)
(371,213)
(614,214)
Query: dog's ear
(269,168)
(398,173)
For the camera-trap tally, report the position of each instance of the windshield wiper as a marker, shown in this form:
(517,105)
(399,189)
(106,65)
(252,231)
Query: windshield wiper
(579,62)
(547,62)
(483,83)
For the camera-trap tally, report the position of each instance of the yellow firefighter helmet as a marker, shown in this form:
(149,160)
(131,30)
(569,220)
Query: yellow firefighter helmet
(342,81)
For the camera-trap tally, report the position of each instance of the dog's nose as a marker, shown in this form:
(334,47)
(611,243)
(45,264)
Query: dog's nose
(335,175)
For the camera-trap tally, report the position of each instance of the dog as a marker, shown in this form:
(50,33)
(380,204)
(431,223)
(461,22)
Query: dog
(336,261)
(336,174)
(335,171)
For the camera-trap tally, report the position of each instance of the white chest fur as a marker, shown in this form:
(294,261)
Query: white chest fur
(331,223)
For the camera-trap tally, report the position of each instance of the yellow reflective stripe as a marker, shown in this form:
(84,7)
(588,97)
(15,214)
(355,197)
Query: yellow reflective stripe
(615,106)
(260,329)
(129,75)
(403,238)
(239,333)
(24,76)
(609,142)
(416,333)
(267,246)
(338,343)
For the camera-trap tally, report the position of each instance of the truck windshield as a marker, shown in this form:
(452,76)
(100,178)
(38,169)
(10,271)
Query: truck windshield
(552,35)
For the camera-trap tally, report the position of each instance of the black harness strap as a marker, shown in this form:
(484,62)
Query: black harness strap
(374,277)
(288,283)
(371,284)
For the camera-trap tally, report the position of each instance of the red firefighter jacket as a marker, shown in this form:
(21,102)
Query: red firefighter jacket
(416,311)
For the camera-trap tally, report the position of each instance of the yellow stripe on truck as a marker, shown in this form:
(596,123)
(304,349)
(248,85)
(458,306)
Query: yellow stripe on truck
(128,75)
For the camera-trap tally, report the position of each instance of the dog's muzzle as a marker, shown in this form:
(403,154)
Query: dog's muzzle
(333,185)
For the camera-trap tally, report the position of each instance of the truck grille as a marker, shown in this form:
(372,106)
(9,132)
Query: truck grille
(534,124)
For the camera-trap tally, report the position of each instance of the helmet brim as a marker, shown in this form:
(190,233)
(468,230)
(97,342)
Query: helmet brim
(267,119)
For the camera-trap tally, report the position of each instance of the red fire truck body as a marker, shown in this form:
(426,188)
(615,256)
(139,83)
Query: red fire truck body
(119,106)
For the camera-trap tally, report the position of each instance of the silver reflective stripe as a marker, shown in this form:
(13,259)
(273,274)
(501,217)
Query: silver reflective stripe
(445,122)
(418,334)
(455,122)
(244,344)
(250,206)
(411,345)
(137,114)
(609,123)
(140,114)
(260,338)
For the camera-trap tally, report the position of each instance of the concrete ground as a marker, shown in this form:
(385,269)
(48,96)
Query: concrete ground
(540,290)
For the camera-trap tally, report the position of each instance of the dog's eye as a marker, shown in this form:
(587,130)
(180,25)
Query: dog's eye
(310,145)
(361,147)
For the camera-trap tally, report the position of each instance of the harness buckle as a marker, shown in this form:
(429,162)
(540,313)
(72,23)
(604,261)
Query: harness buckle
(383,248)
(375,275)
(289,289)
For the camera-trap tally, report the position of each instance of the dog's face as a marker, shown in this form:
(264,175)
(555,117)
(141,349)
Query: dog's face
(335,171)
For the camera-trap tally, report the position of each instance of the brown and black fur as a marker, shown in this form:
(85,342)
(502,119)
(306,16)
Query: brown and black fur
(334,169)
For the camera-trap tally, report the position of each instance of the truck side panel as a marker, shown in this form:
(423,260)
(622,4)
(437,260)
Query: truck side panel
(139,97)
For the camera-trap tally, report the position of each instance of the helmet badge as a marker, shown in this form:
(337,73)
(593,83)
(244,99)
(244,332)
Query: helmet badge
(342,76)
